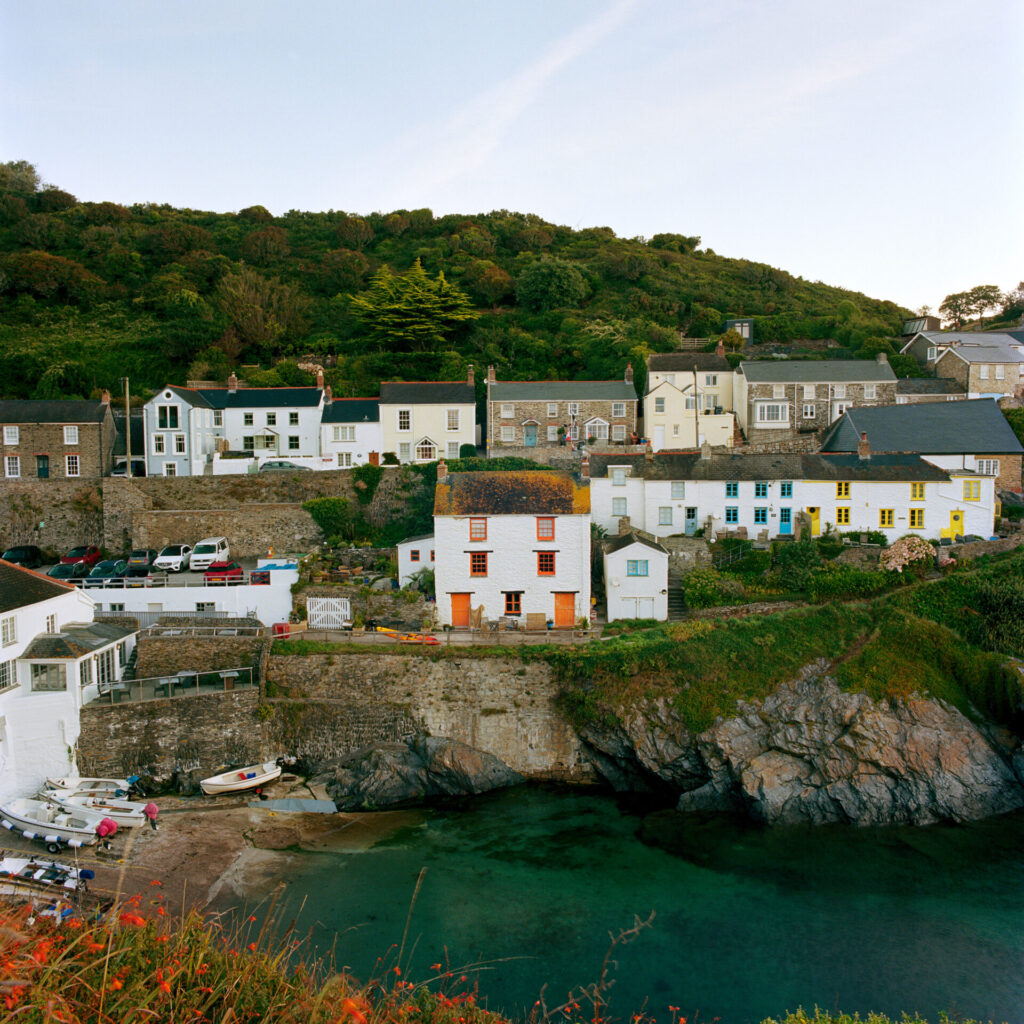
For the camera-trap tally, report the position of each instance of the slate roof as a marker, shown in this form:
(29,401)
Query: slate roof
(975,427)
(816,371)
(419,536)
(956,338)
(249,398)
(20,587)
(618,543)
(929,386)
(431,392)
(675,362)
(523,493)
(56,411)
(562,391)
(351,410)
(690,466)
(987,353)
(75,641)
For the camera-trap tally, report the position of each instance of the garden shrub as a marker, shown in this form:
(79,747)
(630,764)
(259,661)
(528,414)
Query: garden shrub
(705,588)
(838,582)
(795,563)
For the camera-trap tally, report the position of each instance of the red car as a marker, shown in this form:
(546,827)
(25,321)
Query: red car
(221,572)
(88,553)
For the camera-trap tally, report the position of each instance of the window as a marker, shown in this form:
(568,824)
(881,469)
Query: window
(983,371)
(122,654)
(12,465)
(170,469)
(293,419)
(478,529)
(618,410)
(218,417)
(115,607)
(711,380)
(552,410)
(636,567)
(598,429)
(344,460)
(843,489)
(709,401)
(772,413)
(293,442)
(105,666)
(508,410)
(452,419)
(403,451)
(618,476)
(988,467)
(206,606)
(514,602)
(678,488)
(917,492)
(51,623)
(843,516)
(809,412)
(618,506)
(659,405)
(166,419)
(6,675)
(453,449)
(545,528)
(8,631)
(345,433)
(917,518)
(426,451)
(761,489)
(732,514)
(574,408)
(619,432)
(839,391)
(271,419)
(247,419)
(809,392)
(665,515)
(11,435)
(179,444)
(675,429)
(49,677)
(414,555)
(508,434)
(870,391)
(786,489)
(160,444)
(885,518)
(761,516)
(71,465)
(933,353)
(778,391)
(1000,373)
(545,563)
(405,419)
(732,489)
(478,563)
(689,403)
(85,673)
(552,433)
(248,443)
(972,490)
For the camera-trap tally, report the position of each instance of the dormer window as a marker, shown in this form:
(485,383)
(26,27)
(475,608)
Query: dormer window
(619,474)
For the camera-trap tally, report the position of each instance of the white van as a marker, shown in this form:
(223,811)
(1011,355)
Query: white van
(208,551)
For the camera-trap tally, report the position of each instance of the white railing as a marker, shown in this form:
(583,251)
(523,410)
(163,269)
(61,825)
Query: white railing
(258,577)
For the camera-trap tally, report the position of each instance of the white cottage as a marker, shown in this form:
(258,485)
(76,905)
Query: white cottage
(512,544)
(414,555)
(350,431)
(635,578)
(53,659)
(423,421)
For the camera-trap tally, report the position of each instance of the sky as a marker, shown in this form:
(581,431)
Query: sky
(874,145)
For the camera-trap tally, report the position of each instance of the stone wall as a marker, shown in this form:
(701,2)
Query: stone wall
(94,448)
(52,514)
(404,608)
(821,403)
(783,444)
(168,655)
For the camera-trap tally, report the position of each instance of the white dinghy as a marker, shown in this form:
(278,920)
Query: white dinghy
(126,813)
(238,780)
(93,786)
(53,825)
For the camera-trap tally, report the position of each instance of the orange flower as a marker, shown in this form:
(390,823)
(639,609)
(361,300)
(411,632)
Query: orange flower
(133,919)
(160,911)
(115,984)
(155,882)
(435,967)
(252,947)
(350,1008)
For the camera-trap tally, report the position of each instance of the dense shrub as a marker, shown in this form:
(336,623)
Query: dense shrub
(704,588)
(795,563)
(339,521)
(839,582)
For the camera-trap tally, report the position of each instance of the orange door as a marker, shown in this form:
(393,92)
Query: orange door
(460,610)
(374,458)
(565,611)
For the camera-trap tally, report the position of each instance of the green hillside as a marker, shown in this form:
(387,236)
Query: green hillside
(90,292)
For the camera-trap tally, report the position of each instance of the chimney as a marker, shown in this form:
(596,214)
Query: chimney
(320,379)
(232,384)
(442,471)
(328,397)
(705,450)
(105,396)
(490,374)
(863,448)
(470,378)
(629,373)
(648,454)
(720,349)
(585,468)
(881,358)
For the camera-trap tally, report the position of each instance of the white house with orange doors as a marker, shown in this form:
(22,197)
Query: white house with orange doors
(511,545)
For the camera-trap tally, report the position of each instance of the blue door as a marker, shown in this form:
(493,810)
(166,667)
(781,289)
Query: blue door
(785,520)
(691,521)
(531,435)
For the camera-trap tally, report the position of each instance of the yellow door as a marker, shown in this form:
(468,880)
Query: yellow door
(956,524)
(815,514)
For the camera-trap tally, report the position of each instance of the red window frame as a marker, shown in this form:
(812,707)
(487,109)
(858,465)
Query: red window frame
(513,602)
(478,563)
(431,554)
(545,563)
(545,527)
(414,555)
(478,529)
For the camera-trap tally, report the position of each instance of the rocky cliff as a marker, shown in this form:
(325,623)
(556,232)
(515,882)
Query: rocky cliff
(811,753)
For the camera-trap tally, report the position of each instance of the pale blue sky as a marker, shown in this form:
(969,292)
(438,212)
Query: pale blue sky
(875,145)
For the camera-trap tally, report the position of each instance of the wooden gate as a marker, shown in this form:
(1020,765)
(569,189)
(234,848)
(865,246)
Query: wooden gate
(329,612)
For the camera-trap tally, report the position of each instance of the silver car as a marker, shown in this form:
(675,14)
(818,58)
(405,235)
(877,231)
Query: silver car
(173,558)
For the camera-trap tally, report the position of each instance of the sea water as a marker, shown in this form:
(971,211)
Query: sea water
(521,889)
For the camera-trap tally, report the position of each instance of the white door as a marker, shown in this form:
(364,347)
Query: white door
(645,607)
(659,438)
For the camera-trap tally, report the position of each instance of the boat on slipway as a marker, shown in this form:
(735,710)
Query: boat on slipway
(51,887)
(94,786)
(238,780)
(53,825)
(126,813)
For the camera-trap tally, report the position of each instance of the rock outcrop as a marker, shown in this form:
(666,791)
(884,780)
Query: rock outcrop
(811,753)
(427,767)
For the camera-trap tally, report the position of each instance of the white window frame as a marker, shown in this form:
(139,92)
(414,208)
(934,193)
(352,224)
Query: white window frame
(508,435)
(552,410)
(426,450)
(344,432)
(452,419)
(678,488)
(552,433)
(778,391)
(8,631)
(988,467)
(293,419)
(8,676)
(12,435)
(809,411)
(159,444)
(983,371)
(618,410)
(404,451)
(838,390)
(619,432)
(218,417)
(12,466)
(165,411)
(1000,371)
(406,416)
(247,419)
(598,429)
(170,469)
(453,449)
(659,404)
(508,410)
(619,507)
(933,353)
(711,380)
(870,391)
(179,444)
(761,417)
(619,474)
(344,460)
(294,443)
(51,623)
(810,392)
(710,401)
(271,419)
(72,465)
(574,408)
(665,515)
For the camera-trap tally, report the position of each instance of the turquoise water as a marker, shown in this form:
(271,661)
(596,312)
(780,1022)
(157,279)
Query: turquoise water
(749,922)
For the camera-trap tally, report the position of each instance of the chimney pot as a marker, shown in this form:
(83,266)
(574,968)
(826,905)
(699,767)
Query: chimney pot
(442,471)
(882,357)
(490,374)
(105,396)
(720,349)
(629,373)
(328,396)
(232,384)
(320,379)
(705,450)
(863,448)
(470,378)
(585,468)
(649,454)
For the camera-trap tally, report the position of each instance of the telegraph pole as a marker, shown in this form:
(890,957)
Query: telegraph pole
(127,427)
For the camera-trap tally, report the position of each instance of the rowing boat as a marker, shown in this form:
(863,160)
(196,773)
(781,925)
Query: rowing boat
(238,780)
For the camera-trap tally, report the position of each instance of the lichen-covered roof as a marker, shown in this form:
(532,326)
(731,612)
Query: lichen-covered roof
(75,641)
(527,492)
(628,539)
(676,362)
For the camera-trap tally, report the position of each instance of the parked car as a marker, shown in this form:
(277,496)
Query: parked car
(138,468)
(74,571)
(173,558)
(142,557)
(106,571)
(221,572)
(27,555)
(88,553)
(208,551)
(280,466)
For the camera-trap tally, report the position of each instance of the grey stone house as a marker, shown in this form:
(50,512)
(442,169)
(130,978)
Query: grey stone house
(58,439)
(542,414)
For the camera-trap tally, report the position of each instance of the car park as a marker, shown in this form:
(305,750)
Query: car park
(208,551)
(142,558)
(88,553)
(27,555)
(173,558)
(281,466)
(222,572)
(107,571)
(74,571)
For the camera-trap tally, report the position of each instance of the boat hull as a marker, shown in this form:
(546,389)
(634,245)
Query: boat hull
(53,825)
(241,779)
(124,813)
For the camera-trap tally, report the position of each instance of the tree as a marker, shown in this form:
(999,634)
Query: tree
(732,340)
(974,303)
(342,270)
(1013,302)
(18,176)
(353,232)
(955,308)
(488,282)
(265,245)
(262,310)
(411,312)
(550,283)
(984,297)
